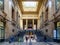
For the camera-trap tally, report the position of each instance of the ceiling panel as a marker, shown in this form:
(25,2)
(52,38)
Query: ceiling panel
(30,6)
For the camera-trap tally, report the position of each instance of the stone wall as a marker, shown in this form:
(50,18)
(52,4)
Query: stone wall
(50,24)
(8,4)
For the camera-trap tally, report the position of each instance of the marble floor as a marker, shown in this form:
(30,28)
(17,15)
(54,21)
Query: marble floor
(32,43)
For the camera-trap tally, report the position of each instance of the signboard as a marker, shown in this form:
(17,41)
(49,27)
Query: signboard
(58,24)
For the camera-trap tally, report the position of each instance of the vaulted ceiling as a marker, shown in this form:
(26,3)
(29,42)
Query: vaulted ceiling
(30,6)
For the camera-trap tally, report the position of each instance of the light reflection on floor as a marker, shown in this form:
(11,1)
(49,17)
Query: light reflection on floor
(33,43)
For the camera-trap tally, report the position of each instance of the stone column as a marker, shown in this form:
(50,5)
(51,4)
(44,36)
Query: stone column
(38,24)
(21,24)
(26,23)
(33,23)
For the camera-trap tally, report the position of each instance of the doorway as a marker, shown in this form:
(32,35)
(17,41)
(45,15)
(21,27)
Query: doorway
(24,24)
(30,24)
(35,24)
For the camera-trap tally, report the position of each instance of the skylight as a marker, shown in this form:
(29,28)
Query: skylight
(29,5)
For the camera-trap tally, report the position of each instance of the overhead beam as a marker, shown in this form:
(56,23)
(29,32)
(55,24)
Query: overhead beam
(21,7)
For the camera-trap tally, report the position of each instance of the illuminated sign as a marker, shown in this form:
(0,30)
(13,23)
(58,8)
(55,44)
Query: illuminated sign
(58,24)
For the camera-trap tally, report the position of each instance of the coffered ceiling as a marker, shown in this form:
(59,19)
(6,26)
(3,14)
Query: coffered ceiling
(30,6)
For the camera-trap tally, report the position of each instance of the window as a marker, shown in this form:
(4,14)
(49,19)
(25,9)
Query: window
(41,17)
(13,30)
(46,30)
(1,4)
(13,14)
(17,16)
(50,3)
(46,13)
(24,23)
(57,4)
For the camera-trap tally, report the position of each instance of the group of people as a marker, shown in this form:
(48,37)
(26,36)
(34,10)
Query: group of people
(29,38)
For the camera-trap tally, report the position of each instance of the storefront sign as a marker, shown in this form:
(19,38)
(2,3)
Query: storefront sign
(58,24)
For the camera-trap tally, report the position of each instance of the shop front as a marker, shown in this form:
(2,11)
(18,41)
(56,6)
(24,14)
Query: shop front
(57,32)
(2,26)
(2,31)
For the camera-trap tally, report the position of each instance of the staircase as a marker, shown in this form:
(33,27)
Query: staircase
(40,36)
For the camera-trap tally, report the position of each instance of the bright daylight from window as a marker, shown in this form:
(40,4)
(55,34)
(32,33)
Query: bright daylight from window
(30,5)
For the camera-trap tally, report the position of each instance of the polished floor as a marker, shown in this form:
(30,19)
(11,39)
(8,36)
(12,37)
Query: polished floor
(31,43)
